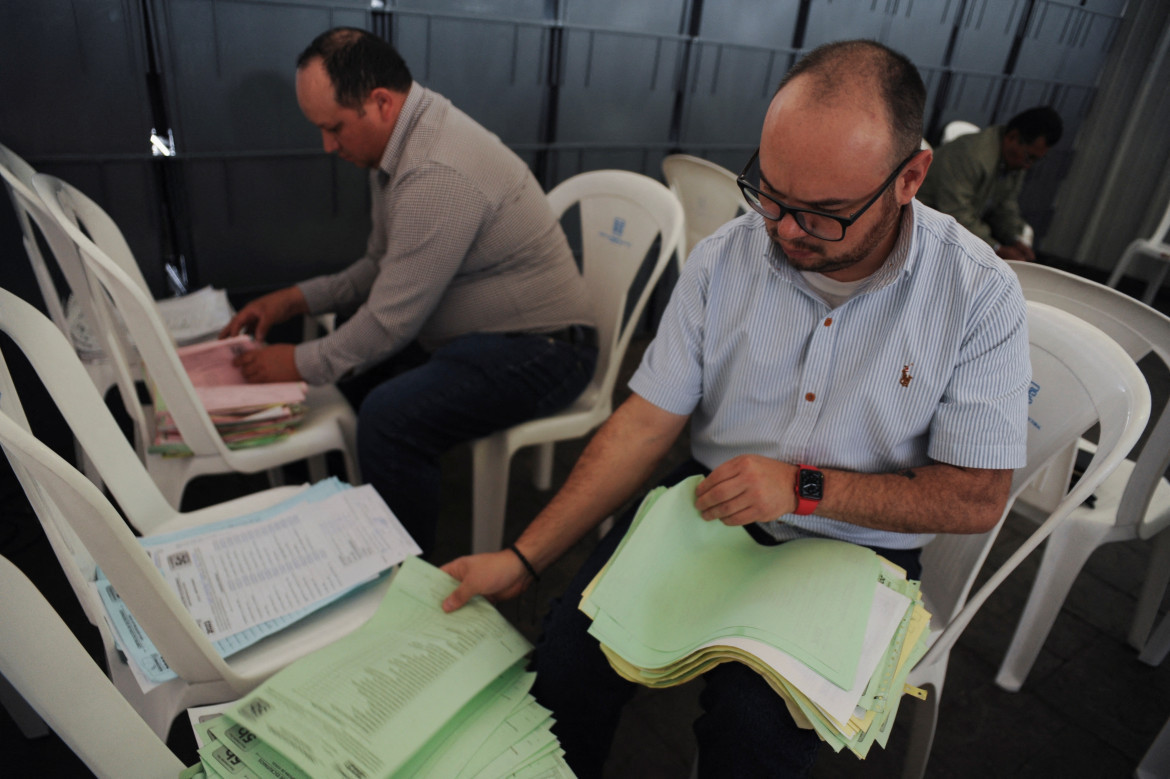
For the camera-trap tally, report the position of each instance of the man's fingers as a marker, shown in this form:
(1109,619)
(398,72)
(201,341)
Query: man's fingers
(458,598)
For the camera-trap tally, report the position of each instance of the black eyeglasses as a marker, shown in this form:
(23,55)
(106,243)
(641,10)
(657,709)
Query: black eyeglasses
(818,224)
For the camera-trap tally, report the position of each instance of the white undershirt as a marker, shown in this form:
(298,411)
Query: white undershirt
(832,291)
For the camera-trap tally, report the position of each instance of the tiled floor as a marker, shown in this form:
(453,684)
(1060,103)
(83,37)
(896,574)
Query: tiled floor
(1089,708)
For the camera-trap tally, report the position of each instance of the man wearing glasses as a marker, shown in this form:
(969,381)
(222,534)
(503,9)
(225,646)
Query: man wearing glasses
(852,364)
(977,178)
(467,313)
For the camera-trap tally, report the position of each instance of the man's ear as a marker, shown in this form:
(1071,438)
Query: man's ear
(912,176)
(386,102)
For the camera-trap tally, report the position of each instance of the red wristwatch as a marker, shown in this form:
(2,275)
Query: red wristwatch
(810,488)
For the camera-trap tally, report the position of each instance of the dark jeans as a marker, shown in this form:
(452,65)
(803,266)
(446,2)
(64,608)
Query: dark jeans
(474,386)
(745,729)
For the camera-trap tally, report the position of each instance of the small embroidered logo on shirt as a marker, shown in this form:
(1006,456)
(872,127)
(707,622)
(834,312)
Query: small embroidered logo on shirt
(906,377)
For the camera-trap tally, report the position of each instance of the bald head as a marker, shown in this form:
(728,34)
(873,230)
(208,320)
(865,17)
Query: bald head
(881,83)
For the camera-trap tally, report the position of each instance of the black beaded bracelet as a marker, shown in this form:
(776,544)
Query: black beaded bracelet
(524,562)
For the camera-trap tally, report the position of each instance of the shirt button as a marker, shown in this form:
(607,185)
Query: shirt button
(810,397)
(828,321)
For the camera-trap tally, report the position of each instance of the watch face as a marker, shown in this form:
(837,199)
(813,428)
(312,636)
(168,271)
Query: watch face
(812,484)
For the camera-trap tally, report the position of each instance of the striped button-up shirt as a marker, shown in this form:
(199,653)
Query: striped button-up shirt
(928,361)
(463,241)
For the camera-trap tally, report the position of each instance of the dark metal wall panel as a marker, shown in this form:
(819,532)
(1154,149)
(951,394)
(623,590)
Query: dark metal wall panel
(766,24)
(727,94)
(653,16)
(494,70)
(71,78)
(1066,42)
(263,209)
(264,223)
(618,89)
(230,68)
(919,30)
(987,29)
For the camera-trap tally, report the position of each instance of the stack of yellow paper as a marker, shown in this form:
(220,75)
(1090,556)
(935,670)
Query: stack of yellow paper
(414,692)
(831,626)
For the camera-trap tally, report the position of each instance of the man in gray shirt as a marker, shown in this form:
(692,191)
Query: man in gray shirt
(467,302)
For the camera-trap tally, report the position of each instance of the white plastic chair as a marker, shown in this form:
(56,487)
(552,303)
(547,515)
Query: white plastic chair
(87,532)
(44,661)
(17,176)
(708,193)
(644,210)
(1155,762)
(1156,246)
(957,128)
(1080,377)
(1133,503)
(330,424)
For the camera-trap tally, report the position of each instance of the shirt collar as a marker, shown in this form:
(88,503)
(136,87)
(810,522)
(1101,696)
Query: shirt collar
(899,261)
(411,109)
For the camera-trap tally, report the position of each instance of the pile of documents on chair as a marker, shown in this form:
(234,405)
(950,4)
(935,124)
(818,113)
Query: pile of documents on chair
(244,414)
(832,627)
(189,318)
(414,692)
(261,572)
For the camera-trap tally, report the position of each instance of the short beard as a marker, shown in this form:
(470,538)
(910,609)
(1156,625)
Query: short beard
(891,215)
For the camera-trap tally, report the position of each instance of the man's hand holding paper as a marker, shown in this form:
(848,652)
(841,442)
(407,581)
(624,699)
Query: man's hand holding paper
(745,489)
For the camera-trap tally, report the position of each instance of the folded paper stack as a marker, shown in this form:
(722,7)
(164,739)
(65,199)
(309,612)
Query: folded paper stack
(831,626)
(414,692)
(244,414)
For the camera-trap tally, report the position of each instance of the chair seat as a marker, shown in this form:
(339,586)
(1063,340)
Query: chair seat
(329,425)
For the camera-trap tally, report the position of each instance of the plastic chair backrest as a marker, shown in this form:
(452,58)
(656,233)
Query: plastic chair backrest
(44,661)
(622,213)
(119,295)
(1141,331)
(708,193)
(1080,377)
(957,128)
(70,507)
(17,176)
(87,415)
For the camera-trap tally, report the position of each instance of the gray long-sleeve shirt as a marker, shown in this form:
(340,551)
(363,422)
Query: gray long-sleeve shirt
(463,241)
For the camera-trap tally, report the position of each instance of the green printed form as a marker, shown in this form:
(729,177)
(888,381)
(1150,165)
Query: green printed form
(363,706)
(700,581)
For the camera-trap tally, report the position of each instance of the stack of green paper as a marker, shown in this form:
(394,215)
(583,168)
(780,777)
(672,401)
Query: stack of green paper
(831,626)
(414,692)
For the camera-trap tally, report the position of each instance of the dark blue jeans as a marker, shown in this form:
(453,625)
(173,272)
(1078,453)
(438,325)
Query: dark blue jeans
(745,729)
(474,386)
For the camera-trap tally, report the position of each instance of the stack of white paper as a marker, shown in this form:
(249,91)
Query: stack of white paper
(832,627)
(189,318)
(261,572)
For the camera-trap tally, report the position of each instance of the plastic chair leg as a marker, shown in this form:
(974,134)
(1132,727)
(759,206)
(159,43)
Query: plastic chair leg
(490,461)
(1065,554)
(1153,590)
(1156,762)
(922,727)
(543,467)
(318,469)
(1158,646)
(1122,267)
(1156,284)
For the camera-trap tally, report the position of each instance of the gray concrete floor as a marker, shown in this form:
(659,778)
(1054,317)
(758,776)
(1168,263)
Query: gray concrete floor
(1089,708)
